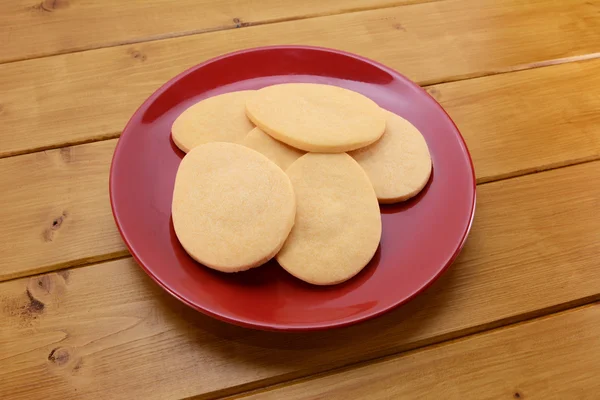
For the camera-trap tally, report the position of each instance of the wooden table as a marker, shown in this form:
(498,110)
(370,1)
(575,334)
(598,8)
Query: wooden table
(514,318)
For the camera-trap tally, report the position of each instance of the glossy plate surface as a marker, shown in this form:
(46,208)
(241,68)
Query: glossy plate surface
(420,239)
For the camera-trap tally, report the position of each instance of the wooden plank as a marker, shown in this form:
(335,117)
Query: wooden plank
(513,123)
(550,358)
(529,120)
(54,208)
(107,330)
(86,96)
(29,29)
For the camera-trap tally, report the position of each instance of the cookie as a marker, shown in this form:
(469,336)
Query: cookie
(233,208)
(220,118)
(398,164)
(338,224)
(280,153)
(315,117)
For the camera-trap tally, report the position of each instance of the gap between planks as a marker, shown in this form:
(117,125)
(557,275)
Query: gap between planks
(237,24)
(499,325)
(424,85)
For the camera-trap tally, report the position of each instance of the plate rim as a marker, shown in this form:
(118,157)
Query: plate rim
(307,327)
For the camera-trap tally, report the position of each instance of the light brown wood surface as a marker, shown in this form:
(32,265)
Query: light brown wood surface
(513,124)
(521,80)
(37,28)
(107,331)
(86,96)
(550,358)
(55,209)
(529,120)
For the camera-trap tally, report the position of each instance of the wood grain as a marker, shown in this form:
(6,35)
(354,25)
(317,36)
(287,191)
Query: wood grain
(527,121)
(54,208)
(106,331)
(86,96)
(513,123)
(34,28)
(550,358)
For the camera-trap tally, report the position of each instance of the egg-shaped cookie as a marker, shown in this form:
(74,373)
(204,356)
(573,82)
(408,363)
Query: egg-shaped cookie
(316,117)
(220,118)
(398,164)
(338,223)
(233,208)
(276,151)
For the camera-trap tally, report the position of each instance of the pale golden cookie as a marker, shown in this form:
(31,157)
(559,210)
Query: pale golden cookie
(398,164)
(232,207)
(338,224)
(315,117)
(220,118)
(280,153)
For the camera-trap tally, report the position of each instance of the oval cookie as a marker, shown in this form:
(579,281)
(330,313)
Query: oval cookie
(280,153)
(232,207)
(220,118)
(398,164)
(338,224)
(315,117)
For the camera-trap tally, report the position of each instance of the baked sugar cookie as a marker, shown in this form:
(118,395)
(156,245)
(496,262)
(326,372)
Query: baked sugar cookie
(232,207)
(220,118)
(315,117)
(398,164)
(338,224)
(280,153)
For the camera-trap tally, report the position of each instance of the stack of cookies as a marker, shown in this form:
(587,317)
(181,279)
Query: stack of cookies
(292,171)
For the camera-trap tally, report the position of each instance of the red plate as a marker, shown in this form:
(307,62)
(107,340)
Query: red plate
(420,238)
